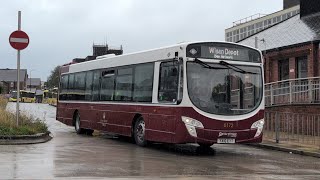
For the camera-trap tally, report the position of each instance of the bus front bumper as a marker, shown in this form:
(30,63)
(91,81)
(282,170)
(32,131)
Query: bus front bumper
(209,136)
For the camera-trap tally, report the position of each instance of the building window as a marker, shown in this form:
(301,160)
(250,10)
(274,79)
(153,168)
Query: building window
(283,69)
(274,20)
(302,67)
(284,17)
(265,23)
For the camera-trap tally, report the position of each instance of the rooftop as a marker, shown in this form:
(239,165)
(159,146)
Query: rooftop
(10,75)
(34,81)
(290,32)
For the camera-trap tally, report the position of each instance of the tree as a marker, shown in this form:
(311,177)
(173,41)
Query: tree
(53,79)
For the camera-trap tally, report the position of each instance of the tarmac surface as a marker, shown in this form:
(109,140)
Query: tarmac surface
(69,155)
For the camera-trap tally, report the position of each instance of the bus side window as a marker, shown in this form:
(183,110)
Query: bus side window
(63,87)
(89,83)
(70,95)
(168,83)
(123,89)
(143,82)
(96,86)
(107,85)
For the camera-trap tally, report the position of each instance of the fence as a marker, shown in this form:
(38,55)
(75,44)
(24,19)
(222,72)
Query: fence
(293,91)
(292,128)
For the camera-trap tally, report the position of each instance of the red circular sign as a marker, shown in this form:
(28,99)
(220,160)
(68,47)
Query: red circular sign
(19,40)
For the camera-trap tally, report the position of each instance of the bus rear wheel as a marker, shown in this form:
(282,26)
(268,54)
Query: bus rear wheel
(89,132)
(77,127)
(139,132)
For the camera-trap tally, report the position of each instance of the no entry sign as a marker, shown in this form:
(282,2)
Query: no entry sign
(19,40)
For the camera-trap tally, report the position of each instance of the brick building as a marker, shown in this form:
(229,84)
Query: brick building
(291,48)
(292,60)
(99,50)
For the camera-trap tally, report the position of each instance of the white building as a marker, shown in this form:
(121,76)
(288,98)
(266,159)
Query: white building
(248,26)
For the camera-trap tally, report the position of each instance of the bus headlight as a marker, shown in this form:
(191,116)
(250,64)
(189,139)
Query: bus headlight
(259,126)
(191,125)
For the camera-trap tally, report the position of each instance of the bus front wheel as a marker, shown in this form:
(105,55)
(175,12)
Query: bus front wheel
(139,132)
(77,127)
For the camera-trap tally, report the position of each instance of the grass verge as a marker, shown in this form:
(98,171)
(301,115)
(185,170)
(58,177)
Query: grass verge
(27,125)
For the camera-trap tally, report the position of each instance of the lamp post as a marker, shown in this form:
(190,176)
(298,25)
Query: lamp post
(30,78)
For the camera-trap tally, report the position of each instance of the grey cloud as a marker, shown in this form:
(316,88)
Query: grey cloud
(60,30)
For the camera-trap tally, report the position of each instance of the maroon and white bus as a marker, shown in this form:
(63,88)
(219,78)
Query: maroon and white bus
(203,92)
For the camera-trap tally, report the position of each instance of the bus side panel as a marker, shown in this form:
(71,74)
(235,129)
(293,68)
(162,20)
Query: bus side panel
(110,118)
(86,116)
(161,124)
(62,114)
(69,111)
(160,128)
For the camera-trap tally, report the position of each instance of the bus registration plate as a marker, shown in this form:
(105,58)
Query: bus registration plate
(226,141)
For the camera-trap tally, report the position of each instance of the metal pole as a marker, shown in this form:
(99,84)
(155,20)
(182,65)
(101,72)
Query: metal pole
(277,124)
(256,42)
(18,72)
(30,80)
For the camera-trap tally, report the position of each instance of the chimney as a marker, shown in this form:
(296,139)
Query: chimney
(290,3)
(308,7)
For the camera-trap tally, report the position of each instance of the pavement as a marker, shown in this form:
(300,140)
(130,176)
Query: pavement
(295,148)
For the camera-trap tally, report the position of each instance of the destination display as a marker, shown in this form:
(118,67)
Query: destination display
(223,51)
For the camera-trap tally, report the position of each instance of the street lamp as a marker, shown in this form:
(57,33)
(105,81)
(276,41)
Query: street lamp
(30,77)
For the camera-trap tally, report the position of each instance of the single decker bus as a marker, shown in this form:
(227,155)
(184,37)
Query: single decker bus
(201,92)
(25,96)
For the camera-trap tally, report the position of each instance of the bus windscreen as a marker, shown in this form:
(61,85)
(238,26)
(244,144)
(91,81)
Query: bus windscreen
(223,51)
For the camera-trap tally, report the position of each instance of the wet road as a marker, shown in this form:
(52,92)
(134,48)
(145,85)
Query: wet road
(84,157)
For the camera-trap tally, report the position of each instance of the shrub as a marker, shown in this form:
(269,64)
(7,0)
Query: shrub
(27,125)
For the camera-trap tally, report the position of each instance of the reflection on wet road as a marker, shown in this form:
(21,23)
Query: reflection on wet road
(72,155)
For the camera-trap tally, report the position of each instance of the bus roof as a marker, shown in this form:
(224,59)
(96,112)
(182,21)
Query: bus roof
(27,91)
(152,55)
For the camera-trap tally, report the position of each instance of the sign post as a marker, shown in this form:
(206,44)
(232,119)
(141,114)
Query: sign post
(19,40)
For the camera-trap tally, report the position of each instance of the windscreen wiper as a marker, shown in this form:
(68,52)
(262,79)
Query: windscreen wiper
(206,65)
(235,68)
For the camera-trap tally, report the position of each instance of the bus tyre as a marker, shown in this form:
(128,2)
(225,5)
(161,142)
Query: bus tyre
(89,132)
(139,132)
(77,127)
(205,146)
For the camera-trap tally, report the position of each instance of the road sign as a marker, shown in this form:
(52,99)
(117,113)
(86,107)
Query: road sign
(19,40)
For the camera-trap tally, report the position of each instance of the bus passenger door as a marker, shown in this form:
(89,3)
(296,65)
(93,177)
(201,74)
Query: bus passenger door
(163,118)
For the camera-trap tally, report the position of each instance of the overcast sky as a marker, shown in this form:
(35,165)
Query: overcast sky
(60,30)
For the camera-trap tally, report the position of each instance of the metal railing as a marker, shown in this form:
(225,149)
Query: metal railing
(247,19)
(293,91)
(293,128)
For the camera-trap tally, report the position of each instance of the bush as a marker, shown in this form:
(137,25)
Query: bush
(27,125)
